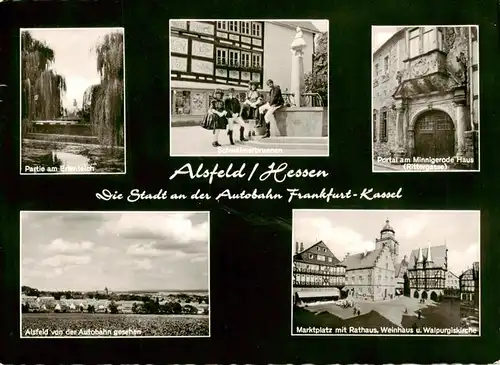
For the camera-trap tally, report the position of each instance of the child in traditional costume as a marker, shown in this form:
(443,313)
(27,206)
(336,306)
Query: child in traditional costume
(250,112)
(216,119)
(233,108)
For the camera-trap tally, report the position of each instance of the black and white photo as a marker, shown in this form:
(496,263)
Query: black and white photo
(425,98)
(249,87)
(419,275)
(72,101)
(115,274)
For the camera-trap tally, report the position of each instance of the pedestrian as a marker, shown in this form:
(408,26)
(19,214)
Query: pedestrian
(216,119)
(233,108)
(414,326)
(276,101)
(419,314)
(359,311)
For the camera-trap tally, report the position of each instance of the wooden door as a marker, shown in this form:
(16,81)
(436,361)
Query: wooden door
(434,135)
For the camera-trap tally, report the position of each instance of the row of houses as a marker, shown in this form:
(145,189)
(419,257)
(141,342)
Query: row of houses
(379,274)
(50,304)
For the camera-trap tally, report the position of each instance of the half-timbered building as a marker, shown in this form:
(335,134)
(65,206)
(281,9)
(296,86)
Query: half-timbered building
(427,272)
(469,284)
(206,55)
(317,273)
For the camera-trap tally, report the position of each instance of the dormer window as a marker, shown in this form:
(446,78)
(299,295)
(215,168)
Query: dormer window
(424,39)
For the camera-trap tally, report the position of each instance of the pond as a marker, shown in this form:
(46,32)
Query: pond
(69,158)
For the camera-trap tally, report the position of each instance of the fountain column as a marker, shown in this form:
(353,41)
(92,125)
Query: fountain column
(297,80)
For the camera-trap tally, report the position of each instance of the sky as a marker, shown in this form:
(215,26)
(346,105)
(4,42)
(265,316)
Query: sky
(75,57)
(355,231)
(380,34)
(119,250)
(322,25)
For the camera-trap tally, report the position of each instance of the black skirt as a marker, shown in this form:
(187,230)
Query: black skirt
(249,113)
(213,121)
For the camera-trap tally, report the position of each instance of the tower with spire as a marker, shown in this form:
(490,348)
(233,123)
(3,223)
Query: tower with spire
(429,261)
(420,259)
(388,238)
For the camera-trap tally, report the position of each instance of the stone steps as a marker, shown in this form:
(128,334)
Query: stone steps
(306,140)
(317,144)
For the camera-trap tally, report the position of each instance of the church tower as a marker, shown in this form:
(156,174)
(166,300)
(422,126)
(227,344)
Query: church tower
(388,238)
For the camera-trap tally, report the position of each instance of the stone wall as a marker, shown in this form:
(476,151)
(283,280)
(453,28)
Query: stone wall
(302,122)
(471,147)
(384,86)
(68,129)
(386,149)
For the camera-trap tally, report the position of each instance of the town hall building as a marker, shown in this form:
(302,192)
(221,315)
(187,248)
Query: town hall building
(372,274)
(425,96)
(427,272)
(209,55)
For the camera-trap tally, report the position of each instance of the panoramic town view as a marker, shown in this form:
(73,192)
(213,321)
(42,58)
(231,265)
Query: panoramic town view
(115,274)
(419,275)
(72,110)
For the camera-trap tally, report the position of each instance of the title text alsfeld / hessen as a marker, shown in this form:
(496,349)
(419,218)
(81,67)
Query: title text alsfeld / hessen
(277,172)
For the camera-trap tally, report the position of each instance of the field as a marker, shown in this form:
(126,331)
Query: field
(96,325)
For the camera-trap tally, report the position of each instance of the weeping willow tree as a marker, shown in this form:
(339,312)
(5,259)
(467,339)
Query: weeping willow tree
(42,88)
(88,96)
(106,99)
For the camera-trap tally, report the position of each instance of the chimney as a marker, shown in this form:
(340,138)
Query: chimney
(346,255)
(296,247)
(365,253)
(301,246)
(420,256)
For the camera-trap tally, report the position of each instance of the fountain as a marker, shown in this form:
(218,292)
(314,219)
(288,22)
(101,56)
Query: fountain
(301,120)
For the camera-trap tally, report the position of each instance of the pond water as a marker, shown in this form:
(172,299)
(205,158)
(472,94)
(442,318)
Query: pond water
(72,162)
(68,158)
